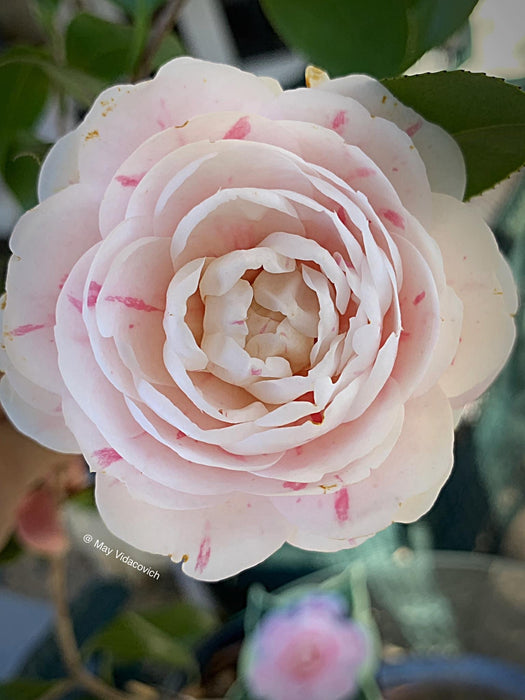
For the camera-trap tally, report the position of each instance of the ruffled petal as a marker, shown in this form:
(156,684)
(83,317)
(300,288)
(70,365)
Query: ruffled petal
(204,539)
(478,275)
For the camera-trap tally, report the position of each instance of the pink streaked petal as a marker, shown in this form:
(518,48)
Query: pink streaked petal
(202,539)
(440,153)
(388,148)
(343,445)
(422,458)
(135,285)
(67,224)
(182,89)
(97,397)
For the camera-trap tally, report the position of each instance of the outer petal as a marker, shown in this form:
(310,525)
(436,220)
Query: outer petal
(67,225)
(440,153)
(205,540)
(60,167)
(47,428)
(475,269)
(108,134)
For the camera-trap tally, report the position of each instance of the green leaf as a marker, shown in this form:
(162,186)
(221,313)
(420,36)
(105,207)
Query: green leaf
(181,620)
(24,88)
(134,7)
(99,48)
(431,22)
(82,87)
(21,166)
(485,115)
(132,638)
(343,36)
(24,689)
(171,47)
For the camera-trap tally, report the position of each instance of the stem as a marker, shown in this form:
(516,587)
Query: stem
(67,642)
(163,25)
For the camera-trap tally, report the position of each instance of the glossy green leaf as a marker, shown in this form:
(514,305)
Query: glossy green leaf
(77,84)
(24,88)
(343,36)
(431,22)
(485,115)
(130,638)
(100,48)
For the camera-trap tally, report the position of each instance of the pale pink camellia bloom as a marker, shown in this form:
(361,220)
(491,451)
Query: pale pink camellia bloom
(307,652)
(253,311)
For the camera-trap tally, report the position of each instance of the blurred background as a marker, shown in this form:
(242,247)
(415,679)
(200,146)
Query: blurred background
(452,585)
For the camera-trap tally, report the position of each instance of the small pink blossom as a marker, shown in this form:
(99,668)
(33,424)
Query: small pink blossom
(309,651)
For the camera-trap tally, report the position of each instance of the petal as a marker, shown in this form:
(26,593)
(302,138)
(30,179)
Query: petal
(440,153)
(47,428)
(475,269)
(388,148)
(67,225)
(60,168)
(422,458)
(182,89)
(204,540)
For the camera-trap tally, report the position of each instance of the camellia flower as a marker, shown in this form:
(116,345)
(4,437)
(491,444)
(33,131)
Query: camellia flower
(307,651)
(253,311)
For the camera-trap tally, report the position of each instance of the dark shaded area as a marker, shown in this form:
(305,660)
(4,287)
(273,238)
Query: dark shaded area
(253,33)
(90,611)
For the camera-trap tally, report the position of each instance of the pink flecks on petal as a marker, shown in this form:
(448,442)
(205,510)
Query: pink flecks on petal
(419,298)
(129,180)
(164,117)
(414,128)
(239,130)
(77,303)
(93,292)
(294,485)
(180,435)
(203,556)
(395,218)
(405,335)
(339,121)
(63,281)
(365,172)
(341,505)
(395,170)
(133,303)
(28,328)
(256,371)
(106,456)
(299,450)
(240,322)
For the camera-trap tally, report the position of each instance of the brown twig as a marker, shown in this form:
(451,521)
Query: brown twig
(163,25)
(67,642)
